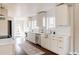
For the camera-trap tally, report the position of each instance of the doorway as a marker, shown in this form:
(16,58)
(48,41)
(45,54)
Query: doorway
(9,28)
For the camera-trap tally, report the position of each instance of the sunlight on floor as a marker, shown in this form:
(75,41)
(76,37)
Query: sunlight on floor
(20,40)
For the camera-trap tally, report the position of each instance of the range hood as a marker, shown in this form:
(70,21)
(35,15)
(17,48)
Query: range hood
(2,15)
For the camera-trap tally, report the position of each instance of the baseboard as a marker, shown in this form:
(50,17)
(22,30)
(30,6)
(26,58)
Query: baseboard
(76,53)
(71,53)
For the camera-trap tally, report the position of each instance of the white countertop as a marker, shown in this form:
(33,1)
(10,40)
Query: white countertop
(54,35)
(35,32)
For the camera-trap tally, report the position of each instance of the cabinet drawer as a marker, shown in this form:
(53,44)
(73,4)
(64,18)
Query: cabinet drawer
(60,44)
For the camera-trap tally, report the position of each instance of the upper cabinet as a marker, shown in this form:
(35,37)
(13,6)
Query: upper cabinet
(62,15)
(41,17)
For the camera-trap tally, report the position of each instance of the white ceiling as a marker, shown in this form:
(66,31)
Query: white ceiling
(27,9)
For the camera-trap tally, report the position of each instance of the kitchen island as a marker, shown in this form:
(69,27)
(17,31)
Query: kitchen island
(7,46)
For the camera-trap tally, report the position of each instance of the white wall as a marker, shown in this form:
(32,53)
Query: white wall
(71,23)
(76,26)
(74,22)
(3,27)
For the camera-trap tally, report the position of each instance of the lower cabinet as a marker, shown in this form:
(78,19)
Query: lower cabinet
(8,49)
(53,44)
(31,37)
(43,41)
(59,45)
(63,45)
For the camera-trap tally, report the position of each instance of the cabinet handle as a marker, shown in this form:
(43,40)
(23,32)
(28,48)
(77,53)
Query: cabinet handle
(60,41)
(60,47)
(46,36)
(60,37)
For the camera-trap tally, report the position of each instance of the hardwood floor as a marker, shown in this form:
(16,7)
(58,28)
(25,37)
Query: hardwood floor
(47,52)
(20,51)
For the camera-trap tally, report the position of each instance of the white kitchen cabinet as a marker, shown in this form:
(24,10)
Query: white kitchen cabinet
(3,28)
(43,41)
(41,16)
(48,42)
(57,44)
(39,20)
(31,37)
(53,44)
(62,45)
(62,15)
(38,38)
(7,49)
(7,46)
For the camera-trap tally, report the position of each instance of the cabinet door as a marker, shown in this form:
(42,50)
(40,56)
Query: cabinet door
(38,39)
(43,41)
(33,38)
(40,18)
(63,45)
(29,36)
(53,47)
(48,43)
(7,49)
(62,15)
(3,28)
(60,45)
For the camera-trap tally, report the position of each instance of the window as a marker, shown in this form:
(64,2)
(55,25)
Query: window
(34,24)
(44,22)
(50,22)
